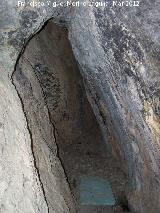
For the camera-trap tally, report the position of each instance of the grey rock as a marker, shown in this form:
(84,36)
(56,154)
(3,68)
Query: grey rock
(118,52)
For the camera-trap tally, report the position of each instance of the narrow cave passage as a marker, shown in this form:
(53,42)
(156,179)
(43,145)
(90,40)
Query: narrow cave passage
(51,67)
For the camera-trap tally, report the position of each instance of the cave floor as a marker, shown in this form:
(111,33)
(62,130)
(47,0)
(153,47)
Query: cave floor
(87,155)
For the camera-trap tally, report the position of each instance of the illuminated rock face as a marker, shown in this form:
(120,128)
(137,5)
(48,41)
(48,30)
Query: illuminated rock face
(118,54)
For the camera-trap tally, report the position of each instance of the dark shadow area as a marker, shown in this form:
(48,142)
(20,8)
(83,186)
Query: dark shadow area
(81,147)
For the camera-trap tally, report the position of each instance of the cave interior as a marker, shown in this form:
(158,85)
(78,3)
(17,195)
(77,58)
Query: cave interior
(96,179)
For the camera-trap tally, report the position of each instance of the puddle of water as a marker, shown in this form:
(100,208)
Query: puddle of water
(95,191)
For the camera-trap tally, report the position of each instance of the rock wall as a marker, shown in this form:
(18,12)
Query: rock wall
(118,52)
(55,67)
(51,89)
(53,181)
(122,83)
(32,178)
(19,184)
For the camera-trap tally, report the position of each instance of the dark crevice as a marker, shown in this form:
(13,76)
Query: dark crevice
(78,139)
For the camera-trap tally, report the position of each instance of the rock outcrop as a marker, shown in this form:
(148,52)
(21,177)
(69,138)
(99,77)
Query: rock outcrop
(117,49)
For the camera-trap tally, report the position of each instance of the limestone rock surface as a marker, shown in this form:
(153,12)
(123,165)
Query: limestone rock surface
(117,49)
